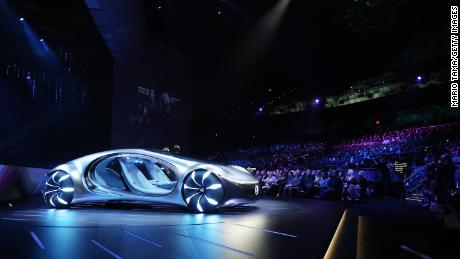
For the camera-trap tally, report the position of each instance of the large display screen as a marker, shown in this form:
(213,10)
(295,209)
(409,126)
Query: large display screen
(151,106)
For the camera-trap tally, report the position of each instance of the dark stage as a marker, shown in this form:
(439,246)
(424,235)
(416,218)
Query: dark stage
(267,229)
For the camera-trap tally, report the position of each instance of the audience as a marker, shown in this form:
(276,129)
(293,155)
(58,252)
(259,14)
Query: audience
(359,168)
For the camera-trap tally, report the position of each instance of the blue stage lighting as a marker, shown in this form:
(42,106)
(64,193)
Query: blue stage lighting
(42,40)
(261,109)
(419,78)
(21,19)
(317,101)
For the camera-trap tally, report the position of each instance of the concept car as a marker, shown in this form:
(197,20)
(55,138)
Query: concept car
(147,176)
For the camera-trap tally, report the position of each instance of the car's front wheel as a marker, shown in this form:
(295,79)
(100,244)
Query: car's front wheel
(203,191)
(58,190)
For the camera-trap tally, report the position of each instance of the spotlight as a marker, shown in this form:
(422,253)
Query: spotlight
(317,101)
(159,7)
(21,19)
(261,109)
(42,40)
(419,78)
(28,77)
(219,12)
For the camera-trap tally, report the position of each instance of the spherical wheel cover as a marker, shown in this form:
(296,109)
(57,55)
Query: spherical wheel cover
(202,191)
(58,190)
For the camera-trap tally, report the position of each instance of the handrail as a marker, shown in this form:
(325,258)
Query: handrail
(416,179)
(418,171)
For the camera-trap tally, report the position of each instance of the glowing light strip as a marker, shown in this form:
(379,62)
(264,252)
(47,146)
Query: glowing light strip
(143,239)
(63,178)
(189,198)
(37,240)
(46,193)
(67,189)
(280,233)
(61,200)
(52,177)
(51,200)
(193,178)
(215,186)
(412,251)
(211,201)
(205,176)
(188,187)
(52,185)
(106,249)
(269,231)
(330,252)
(198,205)
(217,244)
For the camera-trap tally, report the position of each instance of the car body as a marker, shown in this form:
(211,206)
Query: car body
(149,176)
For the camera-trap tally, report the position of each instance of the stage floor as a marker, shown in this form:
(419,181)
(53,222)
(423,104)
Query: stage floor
(298,228)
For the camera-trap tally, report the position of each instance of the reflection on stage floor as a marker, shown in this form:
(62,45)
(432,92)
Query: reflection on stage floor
(299,228)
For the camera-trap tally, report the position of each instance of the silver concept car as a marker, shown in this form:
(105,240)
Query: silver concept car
(139,175)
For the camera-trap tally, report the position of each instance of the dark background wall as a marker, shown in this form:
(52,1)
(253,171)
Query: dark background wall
(78,77)
(55,94)
(151,107)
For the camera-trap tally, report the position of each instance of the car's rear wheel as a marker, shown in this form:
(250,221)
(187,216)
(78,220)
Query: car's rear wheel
(58,190)
(203,191)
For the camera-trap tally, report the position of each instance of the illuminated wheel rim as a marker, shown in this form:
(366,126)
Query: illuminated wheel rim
(58,191)
(203,191)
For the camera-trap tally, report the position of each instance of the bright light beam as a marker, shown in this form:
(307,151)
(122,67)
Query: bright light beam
(273,19)
(254,48)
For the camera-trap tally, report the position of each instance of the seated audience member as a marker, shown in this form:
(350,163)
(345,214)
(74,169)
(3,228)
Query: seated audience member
(353,191)
(333,188)
(362,182)
(281,183)
(268,182)
(176,149)
(294,183)
(308,183)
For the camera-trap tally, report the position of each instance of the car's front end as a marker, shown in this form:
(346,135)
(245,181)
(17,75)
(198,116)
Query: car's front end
(240,185)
